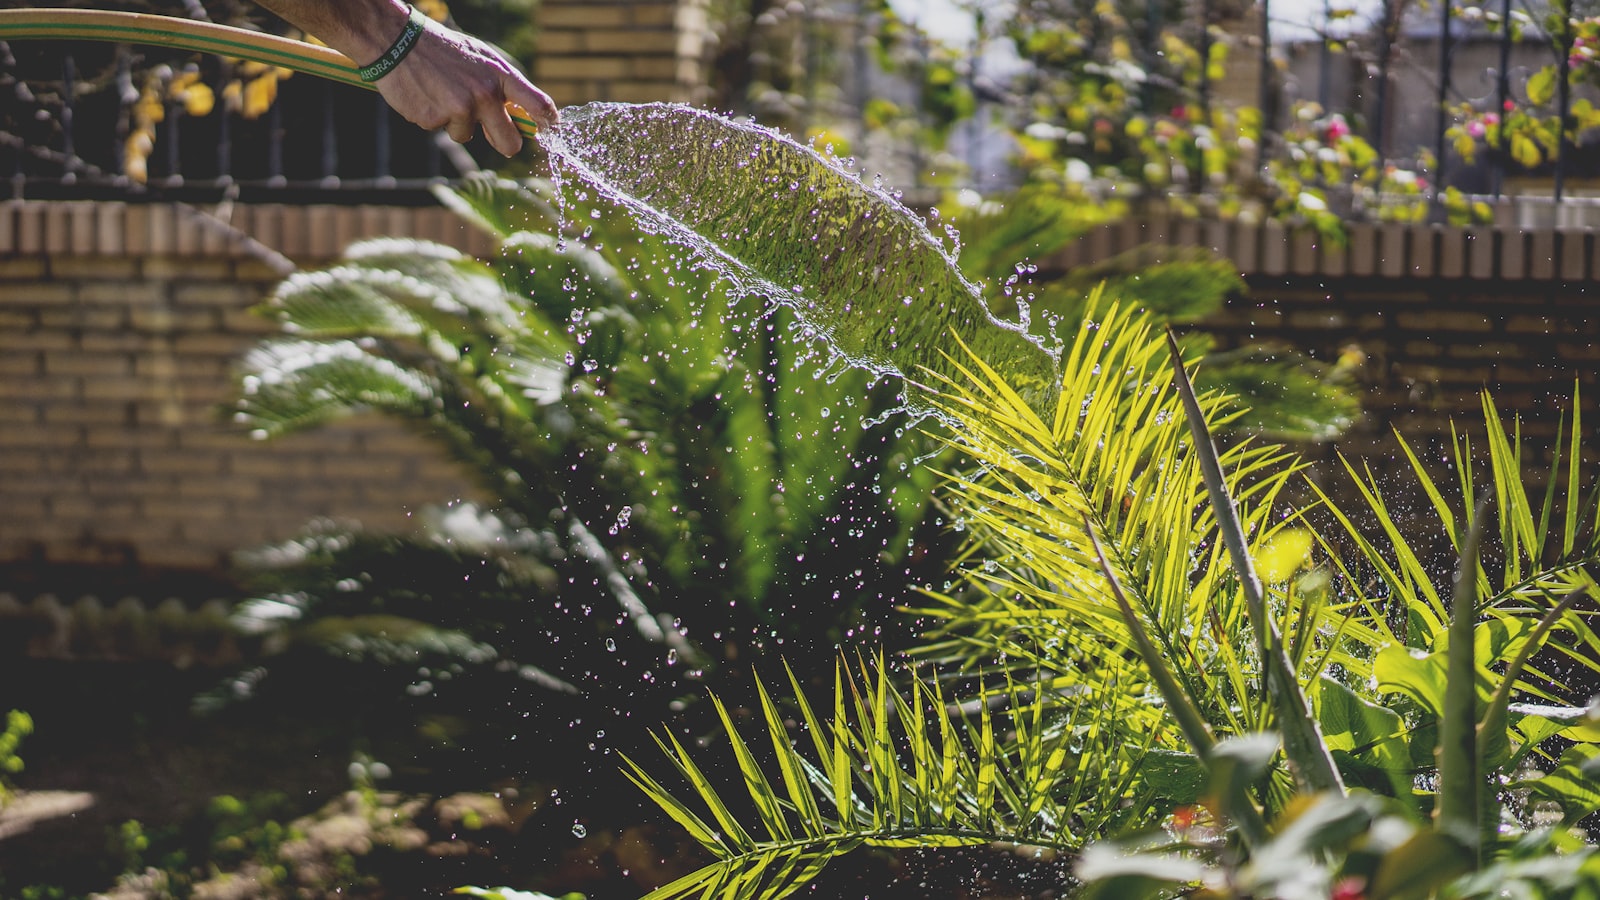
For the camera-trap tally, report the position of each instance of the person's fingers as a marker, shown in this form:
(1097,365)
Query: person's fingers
(535,102)
(501,132)
(460,130)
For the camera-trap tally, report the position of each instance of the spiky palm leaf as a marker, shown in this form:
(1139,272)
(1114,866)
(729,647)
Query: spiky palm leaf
(1546,548)
(1097,582)
(1115,452)
(1036,606)
(1281,392)
(891,767)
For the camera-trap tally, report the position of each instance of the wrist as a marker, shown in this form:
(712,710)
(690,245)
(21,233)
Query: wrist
(416,25)
(372,28)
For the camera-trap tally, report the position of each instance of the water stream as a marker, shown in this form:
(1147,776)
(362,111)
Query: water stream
(780,220)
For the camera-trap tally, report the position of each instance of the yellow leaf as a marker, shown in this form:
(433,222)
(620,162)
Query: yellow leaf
(1283,555)
(1524,150)
(199,100)
(258,96)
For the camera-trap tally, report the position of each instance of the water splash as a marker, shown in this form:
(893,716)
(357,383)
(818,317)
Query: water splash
(779,220)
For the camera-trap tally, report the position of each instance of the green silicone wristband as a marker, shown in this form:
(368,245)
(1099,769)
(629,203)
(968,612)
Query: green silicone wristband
(415,25)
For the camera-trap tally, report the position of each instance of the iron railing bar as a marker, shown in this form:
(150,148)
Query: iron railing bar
(224,130)
(174,148)
(69,98)
(1264,85)
(1203,93)
(1443,95)
(1563,99)
(275,144)
(380,140)
(1503,99)
(330,144)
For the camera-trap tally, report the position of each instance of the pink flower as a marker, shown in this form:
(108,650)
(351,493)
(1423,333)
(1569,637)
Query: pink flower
(1351,887)
(1475,128)
(1337,128)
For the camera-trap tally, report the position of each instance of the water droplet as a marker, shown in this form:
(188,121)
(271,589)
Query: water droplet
(579,831)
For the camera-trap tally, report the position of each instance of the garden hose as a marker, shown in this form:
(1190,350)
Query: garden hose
(200,37)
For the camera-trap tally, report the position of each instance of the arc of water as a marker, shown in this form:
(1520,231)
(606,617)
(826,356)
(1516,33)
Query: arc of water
(777,218)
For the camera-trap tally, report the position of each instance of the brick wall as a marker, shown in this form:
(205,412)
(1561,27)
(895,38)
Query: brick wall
(630,51)
(1433,315)
(119,327)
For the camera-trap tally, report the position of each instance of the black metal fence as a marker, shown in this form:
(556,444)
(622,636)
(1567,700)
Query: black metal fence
(99,121)
(1415,76)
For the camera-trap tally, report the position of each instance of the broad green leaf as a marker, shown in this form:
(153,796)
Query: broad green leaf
(1108,872)
(1419,676)
(1174,776)
(1365,732)
(1572,784)
(1421,865)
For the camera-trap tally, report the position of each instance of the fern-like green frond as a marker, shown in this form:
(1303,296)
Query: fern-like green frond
(1115,453)
(894,766)
(1543,546)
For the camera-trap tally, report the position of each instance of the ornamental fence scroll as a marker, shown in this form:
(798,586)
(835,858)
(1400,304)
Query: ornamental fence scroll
(1498,96)
(98,121)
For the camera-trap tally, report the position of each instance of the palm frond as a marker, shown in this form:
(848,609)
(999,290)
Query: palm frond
(892,767)
(1542,551)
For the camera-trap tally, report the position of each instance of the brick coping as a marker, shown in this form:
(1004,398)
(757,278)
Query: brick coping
(284,235)
(281,234)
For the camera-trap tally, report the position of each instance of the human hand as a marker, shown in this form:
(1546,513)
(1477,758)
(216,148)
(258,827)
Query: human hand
(457,82)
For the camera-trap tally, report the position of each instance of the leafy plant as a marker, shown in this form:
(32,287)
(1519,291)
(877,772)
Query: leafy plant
(1280,392)
(660,495)
(18,726)
(1112,587)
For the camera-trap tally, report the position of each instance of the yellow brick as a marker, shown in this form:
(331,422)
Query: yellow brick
(224,488)
(171,268)
(655,15)
(581,15)
(128,293)
(185,508)
(554,44)
(655,68)
(600,68)
(633,41)
(39,294)
(111,366)
(640,92)
(93,414)
(22,268)
(220,294)
(94,268)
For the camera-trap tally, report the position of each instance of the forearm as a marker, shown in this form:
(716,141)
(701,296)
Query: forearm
(446,80)
(356,28)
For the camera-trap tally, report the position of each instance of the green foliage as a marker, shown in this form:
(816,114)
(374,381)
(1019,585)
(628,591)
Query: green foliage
(643,454)
(503,893)
(1530,134)
(1282,393)
(18,726)
(892,767)
(1096,577)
